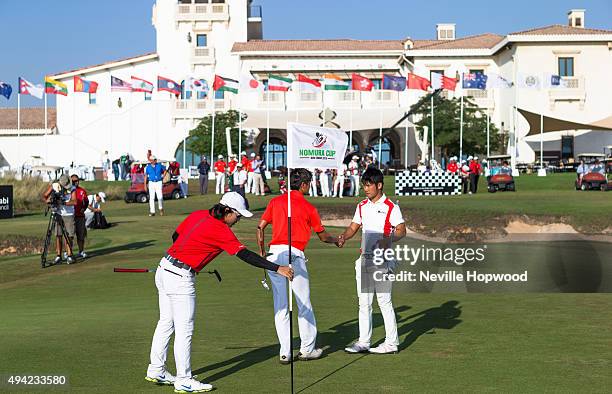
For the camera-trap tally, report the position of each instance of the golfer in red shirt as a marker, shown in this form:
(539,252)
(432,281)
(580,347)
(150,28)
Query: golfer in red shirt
(304,220)
(201,237)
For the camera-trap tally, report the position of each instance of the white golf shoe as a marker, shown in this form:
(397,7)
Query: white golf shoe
(312,355)
(191,386)
(164,377)
(357,347)
(384,348)
(284,360)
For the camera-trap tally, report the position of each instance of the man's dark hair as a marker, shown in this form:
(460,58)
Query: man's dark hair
(373,176)
(299,176)
(218,211)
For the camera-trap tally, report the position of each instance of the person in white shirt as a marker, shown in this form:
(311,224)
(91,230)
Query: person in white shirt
(240,179)
(324,179)
(313,192)
(105,161)
(250,174)
(94,206)
(353,169)
(381,224)
(339,182)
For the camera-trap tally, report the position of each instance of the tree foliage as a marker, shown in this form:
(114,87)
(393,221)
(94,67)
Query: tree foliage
(199,141)
(447,114)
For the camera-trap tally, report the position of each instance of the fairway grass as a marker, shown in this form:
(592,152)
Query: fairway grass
(95,326)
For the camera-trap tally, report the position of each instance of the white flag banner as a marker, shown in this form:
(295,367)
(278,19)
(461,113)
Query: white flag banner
(315,147)
(496,81)
(529,81)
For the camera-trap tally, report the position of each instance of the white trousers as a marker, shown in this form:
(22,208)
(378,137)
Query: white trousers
(324,184)
(176,289)
(249,185)
(339,186)
(301,289)
(220,185)
(313,188)
(355,185)
(258,184)
(383,297)
(155,189)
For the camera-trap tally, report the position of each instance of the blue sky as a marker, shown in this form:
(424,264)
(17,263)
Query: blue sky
(44,37)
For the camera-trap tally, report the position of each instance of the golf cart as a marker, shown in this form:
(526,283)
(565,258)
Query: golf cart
(170,188)
(500,175)
(595,177)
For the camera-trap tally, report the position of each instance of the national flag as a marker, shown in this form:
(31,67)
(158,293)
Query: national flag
(361,83)
(303,83)
(26,87)
(250,84)
(141,85)
(334,82)
(197,85)
(5,90)
(552,81)
(391,82)
(119,85)
(168,85)
(55,87)
(474,81)
(439,81)
(225,84)
(315,147)
(497,81)
(276,82)
(417,82)
(528,81)
(81,85)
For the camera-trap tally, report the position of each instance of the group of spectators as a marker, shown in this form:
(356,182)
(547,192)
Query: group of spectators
(469,170)
(331,182)
(243,176)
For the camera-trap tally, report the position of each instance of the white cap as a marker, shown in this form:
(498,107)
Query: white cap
(355,157)
(252,154)
(239,164)
(152,157)
(102,196)
(243,153)
(470,157)
(475,157)
(220,157)
(236,202)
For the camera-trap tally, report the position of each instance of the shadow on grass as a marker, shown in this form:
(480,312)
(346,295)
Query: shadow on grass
(121,248)
(337,337)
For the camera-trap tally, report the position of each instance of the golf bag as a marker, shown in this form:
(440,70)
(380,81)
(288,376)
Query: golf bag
(99,221)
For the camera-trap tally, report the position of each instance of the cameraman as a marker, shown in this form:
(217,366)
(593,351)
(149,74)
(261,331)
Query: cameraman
(65,208)
(79,214)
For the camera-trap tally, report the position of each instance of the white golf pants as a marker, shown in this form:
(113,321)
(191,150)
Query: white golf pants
(220,185)
(249,185)
(339,186)
(301,289)
(176,288)
(383,297)
(324,179)
(355,185)
(258,184)
(313,188)
(155,189)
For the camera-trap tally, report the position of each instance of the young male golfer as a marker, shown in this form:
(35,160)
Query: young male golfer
(304,219)
(201,237)
(381,222)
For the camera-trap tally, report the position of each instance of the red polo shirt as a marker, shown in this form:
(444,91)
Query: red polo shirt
(451,167)
(82,202)
(304,220)
(232,166)
(475,167)
(201,239)
(220,166)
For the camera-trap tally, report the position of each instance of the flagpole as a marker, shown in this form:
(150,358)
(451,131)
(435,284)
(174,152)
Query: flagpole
(239,123)
(432,127)
(541,172)
(19,124)
(212,139)
(351,126)
(46,112)
(488,135)
(380,138)
(406,146)
(461,130)
(268,129)
(46,127)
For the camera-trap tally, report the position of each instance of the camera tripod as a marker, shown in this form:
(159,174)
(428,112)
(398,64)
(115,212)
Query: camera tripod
(55,220)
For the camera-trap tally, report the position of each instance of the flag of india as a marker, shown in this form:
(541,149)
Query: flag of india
(334,82)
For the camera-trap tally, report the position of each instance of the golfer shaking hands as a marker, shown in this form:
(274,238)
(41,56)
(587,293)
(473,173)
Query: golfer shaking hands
(304,220)
(381,223)
(201,237)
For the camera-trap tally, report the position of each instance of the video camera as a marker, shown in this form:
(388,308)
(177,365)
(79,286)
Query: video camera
(56,198)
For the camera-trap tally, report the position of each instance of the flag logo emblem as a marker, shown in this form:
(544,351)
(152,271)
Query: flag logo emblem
(319,141)
(531,81)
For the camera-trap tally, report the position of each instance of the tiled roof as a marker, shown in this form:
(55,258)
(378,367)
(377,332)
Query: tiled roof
(480,41)
(105,63)
(318,45)
(561,29)
(31,118)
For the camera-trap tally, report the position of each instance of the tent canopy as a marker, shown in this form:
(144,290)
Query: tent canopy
(554,124)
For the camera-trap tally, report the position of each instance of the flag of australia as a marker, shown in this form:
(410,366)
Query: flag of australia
(474,81)
(5,90)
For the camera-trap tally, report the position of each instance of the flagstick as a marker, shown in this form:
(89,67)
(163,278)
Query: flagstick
(461,129)
(290,293)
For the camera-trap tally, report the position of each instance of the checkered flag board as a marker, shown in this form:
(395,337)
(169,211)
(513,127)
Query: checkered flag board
(416,184)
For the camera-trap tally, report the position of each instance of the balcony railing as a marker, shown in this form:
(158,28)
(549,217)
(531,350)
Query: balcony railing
(271,100)
(203,55)
(343,99)
(202,12)
(569,89)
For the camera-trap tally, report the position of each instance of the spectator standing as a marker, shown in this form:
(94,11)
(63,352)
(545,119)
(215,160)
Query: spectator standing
(203,170)
(220,167)
(250,173)
(353,169)
(324,181)
(452,165)
(258,183)
(154,175)
(105,161)
(81,205)
(313,192)
(465,176)
(339,182)
(240,179)
(475,170)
